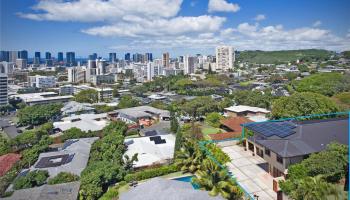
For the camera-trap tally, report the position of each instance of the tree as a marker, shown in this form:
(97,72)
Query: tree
(217,181)
(32,179)
(38,114)
(87,96)
(127,102)
(63,177)
(190,157)
(76,133)
(253,98)
(327,84)
(302,104)
(213,119)
(315,188)
(5,146)
(174,124)
(343,100)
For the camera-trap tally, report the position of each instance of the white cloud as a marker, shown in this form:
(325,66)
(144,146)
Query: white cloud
(102,10)
(317,23)
(222,6)
(160,27)
(260,17)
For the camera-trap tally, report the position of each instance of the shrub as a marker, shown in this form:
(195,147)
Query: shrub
(63,177)
(150,173)
(32,179)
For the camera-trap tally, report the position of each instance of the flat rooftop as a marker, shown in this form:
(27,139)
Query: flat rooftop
(85,122)
(149,152)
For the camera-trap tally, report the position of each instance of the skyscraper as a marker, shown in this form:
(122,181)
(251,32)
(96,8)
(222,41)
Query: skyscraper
(3,85)
(37,58)
(23,54)
(149,57)
(127,56)
(21,63)
(165,59)
(225,57)
(4,56)
(60,57)
(93,56)
(13,55)
(70,58)
(112,57)
(47,55)
(189,65)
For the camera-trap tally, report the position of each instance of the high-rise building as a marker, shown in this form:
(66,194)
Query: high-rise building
(189,64)
(23,54)
(112,57)
(21,63)
(13,55)
(60,57)
(3,85)
(37,58)
(47,55)
(76,75)
(48,59)
(137,57)
(225,58)
(127,57)
(150,71)
(93,56)
(166,59)
(70,58)
(4,56)
(101,66)
(149,57)
(42,81)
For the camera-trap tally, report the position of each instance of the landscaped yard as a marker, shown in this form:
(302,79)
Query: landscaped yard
(210,130)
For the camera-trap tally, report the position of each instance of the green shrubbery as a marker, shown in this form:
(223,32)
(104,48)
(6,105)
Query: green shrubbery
(32,179)
(38,114)
(327,167)
(63,177)
(75,133)
(150,173)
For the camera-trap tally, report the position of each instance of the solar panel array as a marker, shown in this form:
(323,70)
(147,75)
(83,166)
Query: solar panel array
(157,140)
(268,129)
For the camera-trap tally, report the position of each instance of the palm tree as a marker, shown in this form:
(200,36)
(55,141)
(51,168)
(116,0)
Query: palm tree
(316,188)
(190,157)
(217,181)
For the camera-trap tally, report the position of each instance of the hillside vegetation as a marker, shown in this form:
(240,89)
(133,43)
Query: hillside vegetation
(274,57)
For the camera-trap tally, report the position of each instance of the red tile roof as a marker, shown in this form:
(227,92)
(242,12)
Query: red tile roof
(234,124)
(7,161)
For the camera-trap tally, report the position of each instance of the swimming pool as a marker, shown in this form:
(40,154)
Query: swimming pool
(187,179)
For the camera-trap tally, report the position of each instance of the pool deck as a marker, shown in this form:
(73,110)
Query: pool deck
(249,173)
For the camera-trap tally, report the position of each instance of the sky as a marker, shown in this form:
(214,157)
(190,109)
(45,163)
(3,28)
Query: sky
(176,26)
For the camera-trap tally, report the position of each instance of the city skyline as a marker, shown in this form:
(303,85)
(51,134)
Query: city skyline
(187,27)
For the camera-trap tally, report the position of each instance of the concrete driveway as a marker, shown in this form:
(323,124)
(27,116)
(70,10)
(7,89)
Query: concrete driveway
(250,172)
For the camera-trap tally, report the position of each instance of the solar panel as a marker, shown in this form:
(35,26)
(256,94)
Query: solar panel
(268,129)
(154,138)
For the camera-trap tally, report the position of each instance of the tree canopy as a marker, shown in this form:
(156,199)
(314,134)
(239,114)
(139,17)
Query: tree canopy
(301,104)
(327,84)
(87,96)
(63,177)
(128,101)
(32,179)
(38,114)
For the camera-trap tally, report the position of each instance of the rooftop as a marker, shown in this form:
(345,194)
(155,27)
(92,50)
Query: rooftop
(7,161)
(297,138)
(73,157)
(85,122)
(64,191)
(149,152)
(164,189)
(242,108)
(143,111)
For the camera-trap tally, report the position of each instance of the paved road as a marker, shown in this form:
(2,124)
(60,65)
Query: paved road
(10,130)
(249,172)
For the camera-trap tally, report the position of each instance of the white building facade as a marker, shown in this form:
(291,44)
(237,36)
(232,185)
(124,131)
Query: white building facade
(225,58)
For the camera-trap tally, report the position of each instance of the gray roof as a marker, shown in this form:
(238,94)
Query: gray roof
(64,191)
(164,189)
(309,137)
(142,111)
(77,149)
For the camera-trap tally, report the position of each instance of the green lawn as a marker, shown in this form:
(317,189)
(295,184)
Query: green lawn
(210,130)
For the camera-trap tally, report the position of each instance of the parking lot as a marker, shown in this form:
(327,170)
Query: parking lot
(250,172)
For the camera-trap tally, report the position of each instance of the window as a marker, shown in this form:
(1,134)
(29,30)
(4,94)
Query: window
(267,152)
(279,159)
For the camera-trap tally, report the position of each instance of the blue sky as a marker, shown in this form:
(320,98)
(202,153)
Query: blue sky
(179,27)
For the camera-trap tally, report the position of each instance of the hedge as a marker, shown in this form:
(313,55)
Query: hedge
(150,173)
